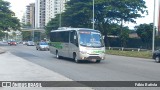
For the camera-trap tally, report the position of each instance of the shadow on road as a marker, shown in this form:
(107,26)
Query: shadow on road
(81,61)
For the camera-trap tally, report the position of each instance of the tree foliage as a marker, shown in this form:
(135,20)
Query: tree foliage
(124,35)
(108,13)
(115,30)
(7,19)
(26,36)
(52,25)
(2,34)
(144,31)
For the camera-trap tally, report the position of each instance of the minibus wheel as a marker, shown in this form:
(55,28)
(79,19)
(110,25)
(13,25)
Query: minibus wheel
(157,59)
(75,58)
(98,61)
(57,55)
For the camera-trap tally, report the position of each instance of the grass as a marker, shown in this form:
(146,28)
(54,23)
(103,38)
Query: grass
(141,54)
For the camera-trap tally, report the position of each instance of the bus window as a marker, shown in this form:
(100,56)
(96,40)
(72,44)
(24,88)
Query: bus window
(65,36)
(73,38)
(91,39)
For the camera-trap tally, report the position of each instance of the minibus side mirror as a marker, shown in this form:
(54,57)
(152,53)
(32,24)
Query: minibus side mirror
(103,37)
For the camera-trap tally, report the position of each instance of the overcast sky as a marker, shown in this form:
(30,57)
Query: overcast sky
(19,7)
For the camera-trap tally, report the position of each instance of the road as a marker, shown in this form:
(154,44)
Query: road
(114,68)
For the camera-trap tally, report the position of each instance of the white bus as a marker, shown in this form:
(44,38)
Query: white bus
(77,43)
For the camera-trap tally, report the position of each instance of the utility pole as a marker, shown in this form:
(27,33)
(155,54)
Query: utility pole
(60,17)
(33,35)
(93,14)
(153,38)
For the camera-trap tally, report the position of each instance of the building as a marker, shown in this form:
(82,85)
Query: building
(46,10)
(40,13)
(29,17)
(23,21)
(54,7)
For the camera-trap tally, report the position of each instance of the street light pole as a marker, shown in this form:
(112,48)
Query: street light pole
(153,38)
(33,35)
(93,14)
(60,17)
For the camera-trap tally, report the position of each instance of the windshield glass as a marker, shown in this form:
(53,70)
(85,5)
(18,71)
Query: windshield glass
(90,39)
(43,43)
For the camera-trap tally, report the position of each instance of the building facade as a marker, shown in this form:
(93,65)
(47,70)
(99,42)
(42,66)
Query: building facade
(54,7)
(45,10)
(30,15)
(40,13)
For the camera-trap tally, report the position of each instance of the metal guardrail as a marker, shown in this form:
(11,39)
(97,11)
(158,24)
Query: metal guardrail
(126,49)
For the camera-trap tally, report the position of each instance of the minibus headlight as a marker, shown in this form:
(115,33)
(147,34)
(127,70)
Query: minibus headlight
(83,52)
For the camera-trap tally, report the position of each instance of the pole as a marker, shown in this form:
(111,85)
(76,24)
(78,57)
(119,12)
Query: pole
(93,14)
(153,38)
(5,37)
(33,35)
(60,18)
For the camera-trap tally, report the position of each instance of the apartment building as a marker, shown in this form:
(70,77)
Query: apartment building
(54,7)
(23,20)
(30,15)
(46,10)
(40,13)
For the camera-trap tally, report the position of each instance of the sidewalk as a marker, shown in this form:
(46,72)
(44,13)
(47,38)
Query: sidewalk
(13,68)
(2,51)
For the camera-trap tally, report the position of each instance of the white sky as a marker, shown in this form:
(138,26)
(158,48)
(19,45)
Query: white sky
(19,7)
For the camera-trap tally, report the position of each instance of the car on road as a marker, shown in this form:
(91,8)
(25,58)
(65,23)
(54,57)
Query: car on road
(42,46)
(12,43)
(24,42)
(156,56)
(30,43)
(8,42)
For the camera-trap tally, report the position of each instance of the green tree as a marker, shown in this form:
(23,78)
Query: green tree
(114,29)
(2,34)
(78,13)
(26,36)
(52,25)
(124,35)
(28,25)
(7,19)
(144,31)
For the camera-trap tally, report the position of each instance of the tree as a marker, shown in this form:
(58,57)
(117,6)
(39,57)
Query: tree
(52,25)
(78,13)
(28,25)
(7,19)
(26,36)
(124,35)
(144,31)
(114,29)
(2,34)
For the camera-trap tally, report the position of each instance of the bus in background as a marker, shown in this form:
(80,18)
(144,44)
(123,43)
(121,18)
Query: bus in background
(78,44)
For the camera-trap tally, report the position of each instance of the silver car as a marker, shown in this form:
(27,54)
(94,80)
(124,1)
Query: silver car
(30,43)
(42,46)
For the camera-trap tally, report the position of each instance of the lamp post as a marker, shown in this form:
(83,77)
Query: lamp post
(60,17)
(93,14)
(33,35)
(153,38)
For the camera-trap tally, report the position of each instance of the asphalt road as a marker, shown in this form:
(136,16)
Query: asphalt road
(114,68)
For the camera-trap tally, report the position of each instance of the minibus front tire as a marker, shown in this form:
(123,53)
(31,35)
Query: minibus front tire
(98,61)
(57,55)
(75,58)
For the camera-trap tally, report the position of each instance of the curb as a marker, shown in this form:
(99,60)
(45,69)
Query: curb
(2,51)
